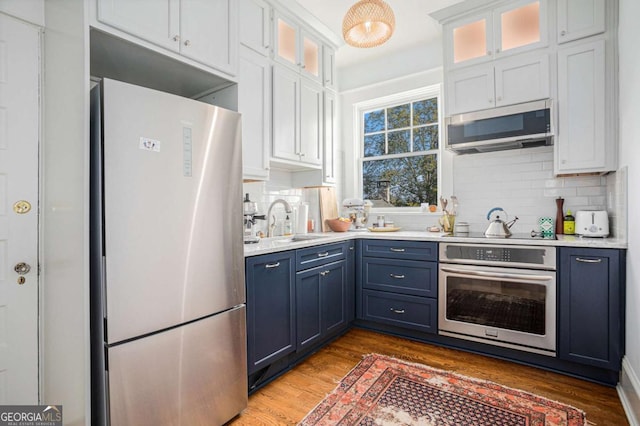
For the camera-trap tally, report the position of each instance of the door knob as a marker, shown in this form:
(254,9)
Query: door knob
(22,268)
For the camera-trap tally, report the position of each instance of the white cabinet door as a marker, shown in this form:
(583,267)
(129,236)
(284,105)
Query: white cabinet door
(520,25)
(310,56)
(580,18)
(254,103)
(469,41)
(470,89)
(286,44)
(208,32)
(329,65)
(286,88)
(156,21)
(255,25)
(522,79)
(311,114)
(330,137)
(581,145)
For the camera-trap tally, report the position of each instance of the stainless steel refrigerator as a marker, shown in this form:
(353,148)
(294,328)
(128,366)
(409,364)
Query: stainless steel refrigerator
(167,265)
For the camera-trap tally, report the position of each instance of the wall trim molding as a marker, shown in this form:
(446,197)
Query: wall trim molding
(629,393)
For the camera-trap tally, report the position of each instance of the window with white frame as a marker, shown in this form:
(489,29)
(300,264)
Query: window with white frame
(399,150)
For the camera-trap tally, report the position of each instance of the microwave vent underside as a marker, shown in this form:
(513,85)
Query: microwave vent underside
(502,146)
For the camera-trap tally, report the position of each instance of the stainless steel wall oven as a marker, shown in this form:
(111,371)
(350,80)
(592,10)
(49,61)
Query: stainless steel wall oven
(503,295)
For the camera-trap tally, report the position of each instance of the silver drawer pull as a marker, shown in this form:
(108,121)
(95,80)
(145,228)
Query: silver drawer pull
(272,265)
(325,254)
(397,250)
(583,260)
(399,277)
(323,273)
(397,311)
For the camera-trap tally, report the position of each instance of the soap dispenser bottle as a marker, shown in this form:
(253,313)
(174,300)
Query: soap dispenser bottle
(288,229)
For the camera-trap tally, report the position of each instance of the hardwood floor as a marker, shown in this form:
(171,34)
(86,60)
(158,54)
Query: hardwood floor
(286,400)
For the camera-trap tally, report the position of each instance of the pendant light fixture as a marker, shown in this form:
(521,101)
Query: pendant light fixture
(368,23)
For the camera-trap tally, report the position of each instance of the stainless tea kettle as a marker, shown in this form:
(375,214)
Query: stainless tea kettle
(497,227)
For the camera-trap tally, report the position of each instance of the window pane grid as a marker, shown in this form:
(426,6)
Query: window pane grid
(400,146)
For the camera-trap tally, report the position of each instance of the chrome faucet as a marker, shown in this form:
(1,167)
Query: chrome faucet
(287,209)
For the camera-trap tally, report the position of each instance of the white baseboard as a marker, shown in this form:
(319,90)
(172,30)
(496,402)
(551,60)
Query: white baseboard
(629,393)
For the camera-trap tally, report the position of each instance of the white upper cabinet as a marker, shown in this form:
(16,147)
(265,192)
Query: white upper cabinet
(203,31)
(207,34)
(297,120)
(311,120)
(330,137)
(157,21)
(508,81)
(516,27)
(522,79)
(255,25)
(297,48)
(285,113)
(254,103)
(580,18)
(329,63)
(582,145)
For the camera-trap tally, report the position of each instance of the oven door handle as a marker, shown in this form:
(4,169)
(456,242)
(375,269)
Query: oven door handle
(498,275)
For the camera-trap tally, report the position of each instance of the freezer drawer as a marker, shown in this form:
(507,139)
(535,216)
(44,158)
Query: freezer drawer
(195,374)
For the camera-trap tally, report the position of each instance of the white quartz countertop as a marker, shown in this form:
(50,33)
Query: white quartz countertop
(276,244)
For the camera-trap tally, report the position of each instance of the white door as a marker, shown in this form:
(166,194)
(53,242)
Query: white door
(19,132)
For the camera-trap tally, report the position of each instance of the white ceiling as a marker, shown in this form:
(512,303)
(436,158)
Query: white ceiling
(414,26)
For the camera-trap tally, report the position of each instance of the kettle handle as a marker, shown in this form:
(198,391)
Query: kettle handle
(500,209)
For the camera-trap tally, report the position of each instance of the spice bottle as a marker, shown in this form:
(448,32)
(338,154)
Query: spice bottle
(569,224)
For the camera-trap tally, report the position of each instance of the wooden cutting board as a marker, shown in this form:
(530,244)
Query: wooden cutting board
(328,206)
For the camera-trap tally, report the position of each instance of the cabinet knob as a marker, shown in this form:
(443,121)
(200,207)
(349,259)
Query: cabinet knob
(187,43)
(490,101)
(488,53)
(176,38)
(497,50)
(499,98)
(563,33)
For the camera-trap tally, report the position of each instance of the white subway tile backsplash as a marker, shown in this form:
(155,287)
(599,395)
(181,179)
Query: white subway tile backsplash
(523,184)
(591,190)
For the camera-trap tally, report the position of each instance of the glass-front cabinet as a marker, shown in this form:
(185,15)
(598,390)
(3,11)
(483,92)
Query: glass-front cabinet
(297,48)
(516,27)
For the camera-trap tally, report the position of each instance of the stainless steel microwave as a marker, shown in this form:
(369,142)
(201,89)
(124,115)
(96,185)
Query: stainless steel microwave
(510,127)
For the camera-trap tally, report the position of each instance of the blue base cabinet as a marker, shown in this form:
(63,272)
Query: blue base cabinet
(399,284)
(271,323)
(591,306)
(297,300)
(321,302)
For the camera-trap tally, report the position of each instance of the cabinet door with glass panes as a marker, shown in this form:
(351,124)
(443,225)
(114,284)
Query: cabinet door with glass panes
(516,27)
(400,153)
(297,48)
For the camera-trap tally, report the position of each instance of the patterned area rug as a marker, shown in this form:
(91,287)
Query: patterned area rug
(385,391)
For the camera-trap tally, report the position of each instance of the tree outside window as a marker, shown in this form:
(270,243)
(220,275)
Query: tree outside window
(400,154)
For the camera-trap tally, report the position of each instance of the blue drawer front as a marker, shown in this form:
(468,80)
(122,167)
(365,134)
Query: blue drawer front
(401,276)
(412,312)
(319,255)
(406,250)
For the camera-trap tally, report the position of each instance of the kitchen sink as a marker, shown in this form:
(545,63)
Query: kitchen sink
(300,237)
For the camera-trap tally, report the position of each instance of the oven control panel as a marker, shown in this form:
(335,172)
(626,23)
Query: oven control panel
(493,254)
(536,257)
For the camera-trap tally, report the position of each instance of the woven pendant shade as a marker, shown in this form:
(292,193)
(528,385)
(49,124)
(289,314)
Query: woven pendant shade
(368,23)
